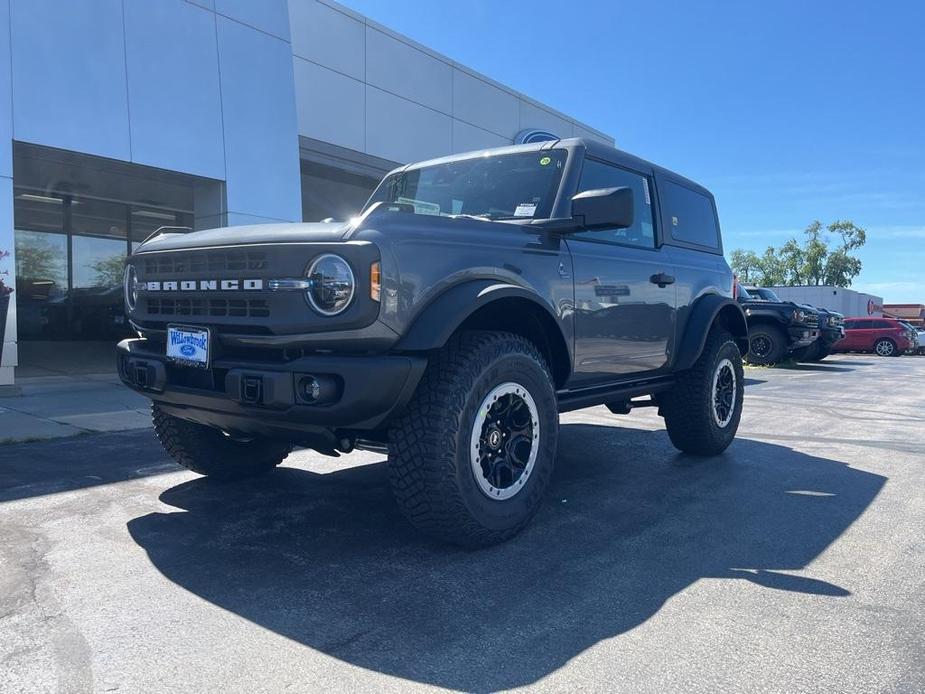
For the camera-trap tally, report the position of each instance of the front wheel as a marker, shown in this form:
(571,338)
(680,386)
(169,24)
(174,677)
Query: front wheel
(767,344)
(471,456)
(703,409)
(886,348)
(210,452)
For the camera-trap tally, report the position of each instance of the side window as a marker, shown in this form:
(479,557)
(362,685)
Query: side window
(851,325)
(596,174)
(690,216)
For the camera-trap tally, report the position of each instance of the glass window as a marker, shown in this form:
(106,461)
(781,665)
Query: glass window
(596,175)
(38,211)
(506,186)
(97,262)
(331,192)
(690,216)
(41,264)
(98,218)
(145,221)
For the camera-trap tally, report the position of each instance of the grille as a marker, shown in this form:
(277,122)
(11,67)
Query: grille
(238,308)
(812,320)
(203,261)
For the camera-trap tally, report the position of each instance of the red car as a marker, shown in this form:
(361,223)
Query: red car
(884,336)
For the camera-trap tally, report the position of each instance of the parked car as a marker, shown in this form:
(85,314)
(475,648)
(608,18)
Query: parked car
(831,327)
(914,335)
(776,328)
(472,300)
(920,332)
(886,337)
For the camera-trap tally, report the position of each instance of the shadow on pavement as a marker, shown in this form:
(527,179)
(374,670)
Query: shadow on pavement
(831,368)
(327,560)
(76,462)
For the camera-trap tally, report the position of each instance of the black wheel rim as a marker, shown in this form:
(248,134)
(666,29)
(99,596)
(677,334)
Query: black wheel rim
(724,393)
(504,441)
(761,346)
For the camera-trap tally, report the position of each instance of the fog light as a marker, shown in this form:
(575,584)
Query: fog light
(309,388)
(317,390)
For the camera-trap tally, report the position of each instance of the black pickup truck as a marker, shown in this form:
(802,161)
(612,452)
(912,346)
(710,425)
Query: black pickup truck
(831,327)
(471,301)
(776,329)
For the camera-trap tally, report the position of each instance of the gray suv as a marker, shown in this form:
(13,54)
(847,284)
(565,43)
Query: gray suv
(471,301)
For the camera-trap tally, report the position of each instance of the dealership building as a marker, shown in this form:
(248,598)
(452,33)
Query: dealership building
(121,116)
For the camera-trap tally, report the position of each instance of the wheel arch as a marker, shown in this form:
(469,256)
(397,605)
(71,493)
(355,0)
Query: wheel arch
(707,311)
(491,305)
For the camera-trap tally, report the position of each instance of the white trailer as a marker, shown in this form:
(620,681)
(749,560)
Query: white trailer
(847,301)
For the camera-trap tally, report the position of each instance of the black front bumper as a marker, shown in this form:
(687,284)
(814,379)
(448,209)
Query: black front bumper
(802,335)
(829,336)
(245,396)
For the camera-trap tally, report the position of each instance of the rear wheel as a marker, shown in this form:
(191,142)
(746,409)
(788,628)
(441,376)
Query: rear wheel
(208,451)
(471,456)
(703,409)
(885,347)
(767,344)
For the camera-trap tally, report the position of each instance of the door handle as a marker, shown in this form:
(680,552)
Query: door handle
(662,279)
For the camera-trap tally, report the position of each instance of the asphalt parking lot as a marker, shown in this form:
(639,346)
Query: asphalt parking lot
(793,563)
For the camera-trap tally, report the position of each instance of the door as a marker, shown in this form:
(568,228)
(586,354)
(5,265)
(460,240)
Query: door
(625,298)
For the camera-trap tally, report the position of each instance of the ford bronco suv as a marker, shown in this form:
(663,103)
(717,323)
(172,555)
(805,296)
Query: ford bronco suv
(473,299)
(830,324)
(776,329)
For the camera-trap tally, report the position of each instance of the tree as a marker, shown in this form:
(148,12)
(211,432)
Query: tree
(816,261)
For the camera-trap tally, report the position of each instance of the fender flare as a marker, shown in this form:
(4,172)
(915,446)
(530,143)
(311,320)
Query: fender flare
(440,318)
(705,311)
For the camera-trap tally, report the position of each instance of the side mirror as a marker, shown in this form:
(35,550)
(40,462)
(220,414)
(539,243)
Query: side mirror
(604,208)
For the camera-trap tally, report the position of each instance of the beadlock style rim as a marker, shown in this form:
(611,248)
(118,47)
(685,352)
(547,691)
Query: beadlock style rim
(504,441)
(724,393)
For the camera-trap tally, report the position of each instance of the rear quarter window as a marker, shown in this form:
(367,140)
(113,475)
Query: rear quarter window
(690,216)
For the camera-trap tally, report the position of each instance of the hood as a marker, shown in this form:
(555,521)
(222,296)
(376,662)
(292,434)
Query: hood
(778,305)
(257,233)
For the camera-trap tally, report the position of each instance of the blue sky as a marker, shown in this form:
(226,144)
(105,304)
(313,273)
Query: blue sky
(787,111)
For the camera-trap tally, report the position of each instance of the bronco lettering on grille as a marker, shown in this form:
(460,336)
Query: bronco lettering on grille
(202,285)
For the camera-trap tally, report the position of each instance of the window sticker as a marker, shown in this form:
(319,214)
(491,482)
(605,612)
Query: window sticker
(545,161)
(645,187)
(525,209)
(420,206)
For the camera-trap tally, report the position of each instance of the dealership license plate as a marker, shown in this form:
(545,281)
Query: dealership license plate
(188,346)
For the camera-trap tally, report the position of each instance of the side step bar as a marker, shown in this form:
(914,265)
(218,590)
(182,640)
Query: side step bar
(618,392)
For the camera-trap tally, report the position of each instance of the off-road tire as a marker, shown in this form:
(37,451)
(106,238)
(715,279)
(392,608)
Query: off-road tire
(778,344)
(207,451)
(430,462)
(688,408)
(885,347)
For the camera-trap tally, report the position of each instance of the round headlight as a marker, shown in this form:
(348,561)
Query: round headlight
(130,286)
(799,316)
(332,284)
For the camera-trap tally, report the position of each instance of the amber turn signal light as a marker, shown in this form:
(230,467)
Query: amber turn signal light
(375,281)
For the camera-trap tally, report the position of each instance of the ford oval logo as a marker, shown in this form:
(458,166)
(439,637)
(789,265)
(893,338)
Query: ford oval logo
(187,350)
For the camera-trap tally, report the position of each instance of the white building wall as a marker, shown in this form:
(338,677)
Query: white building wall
(415,103)
(851,303)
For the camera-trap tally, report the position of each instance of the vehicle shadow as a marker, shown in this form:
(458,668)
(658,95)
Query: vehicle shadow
(830,368)
(328,561)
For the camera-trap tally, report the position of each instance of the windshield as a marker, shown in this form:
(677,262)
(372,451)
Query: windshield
(522,185)
(743,294)
(767,295)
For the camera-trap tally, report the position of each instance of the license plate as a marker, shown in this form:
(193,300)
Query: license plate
(188,346)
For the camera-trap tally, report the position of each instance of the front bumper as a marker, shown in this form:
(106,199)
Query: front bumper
(251,397)
(801,336)
(829,336)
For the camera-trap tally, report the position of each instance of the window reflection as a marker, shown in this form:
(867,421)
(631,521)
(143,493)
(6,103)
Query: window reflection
(97,262)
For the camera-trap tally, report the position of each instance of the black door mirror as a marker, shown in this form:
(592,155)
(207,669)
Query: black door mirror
(604,208)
